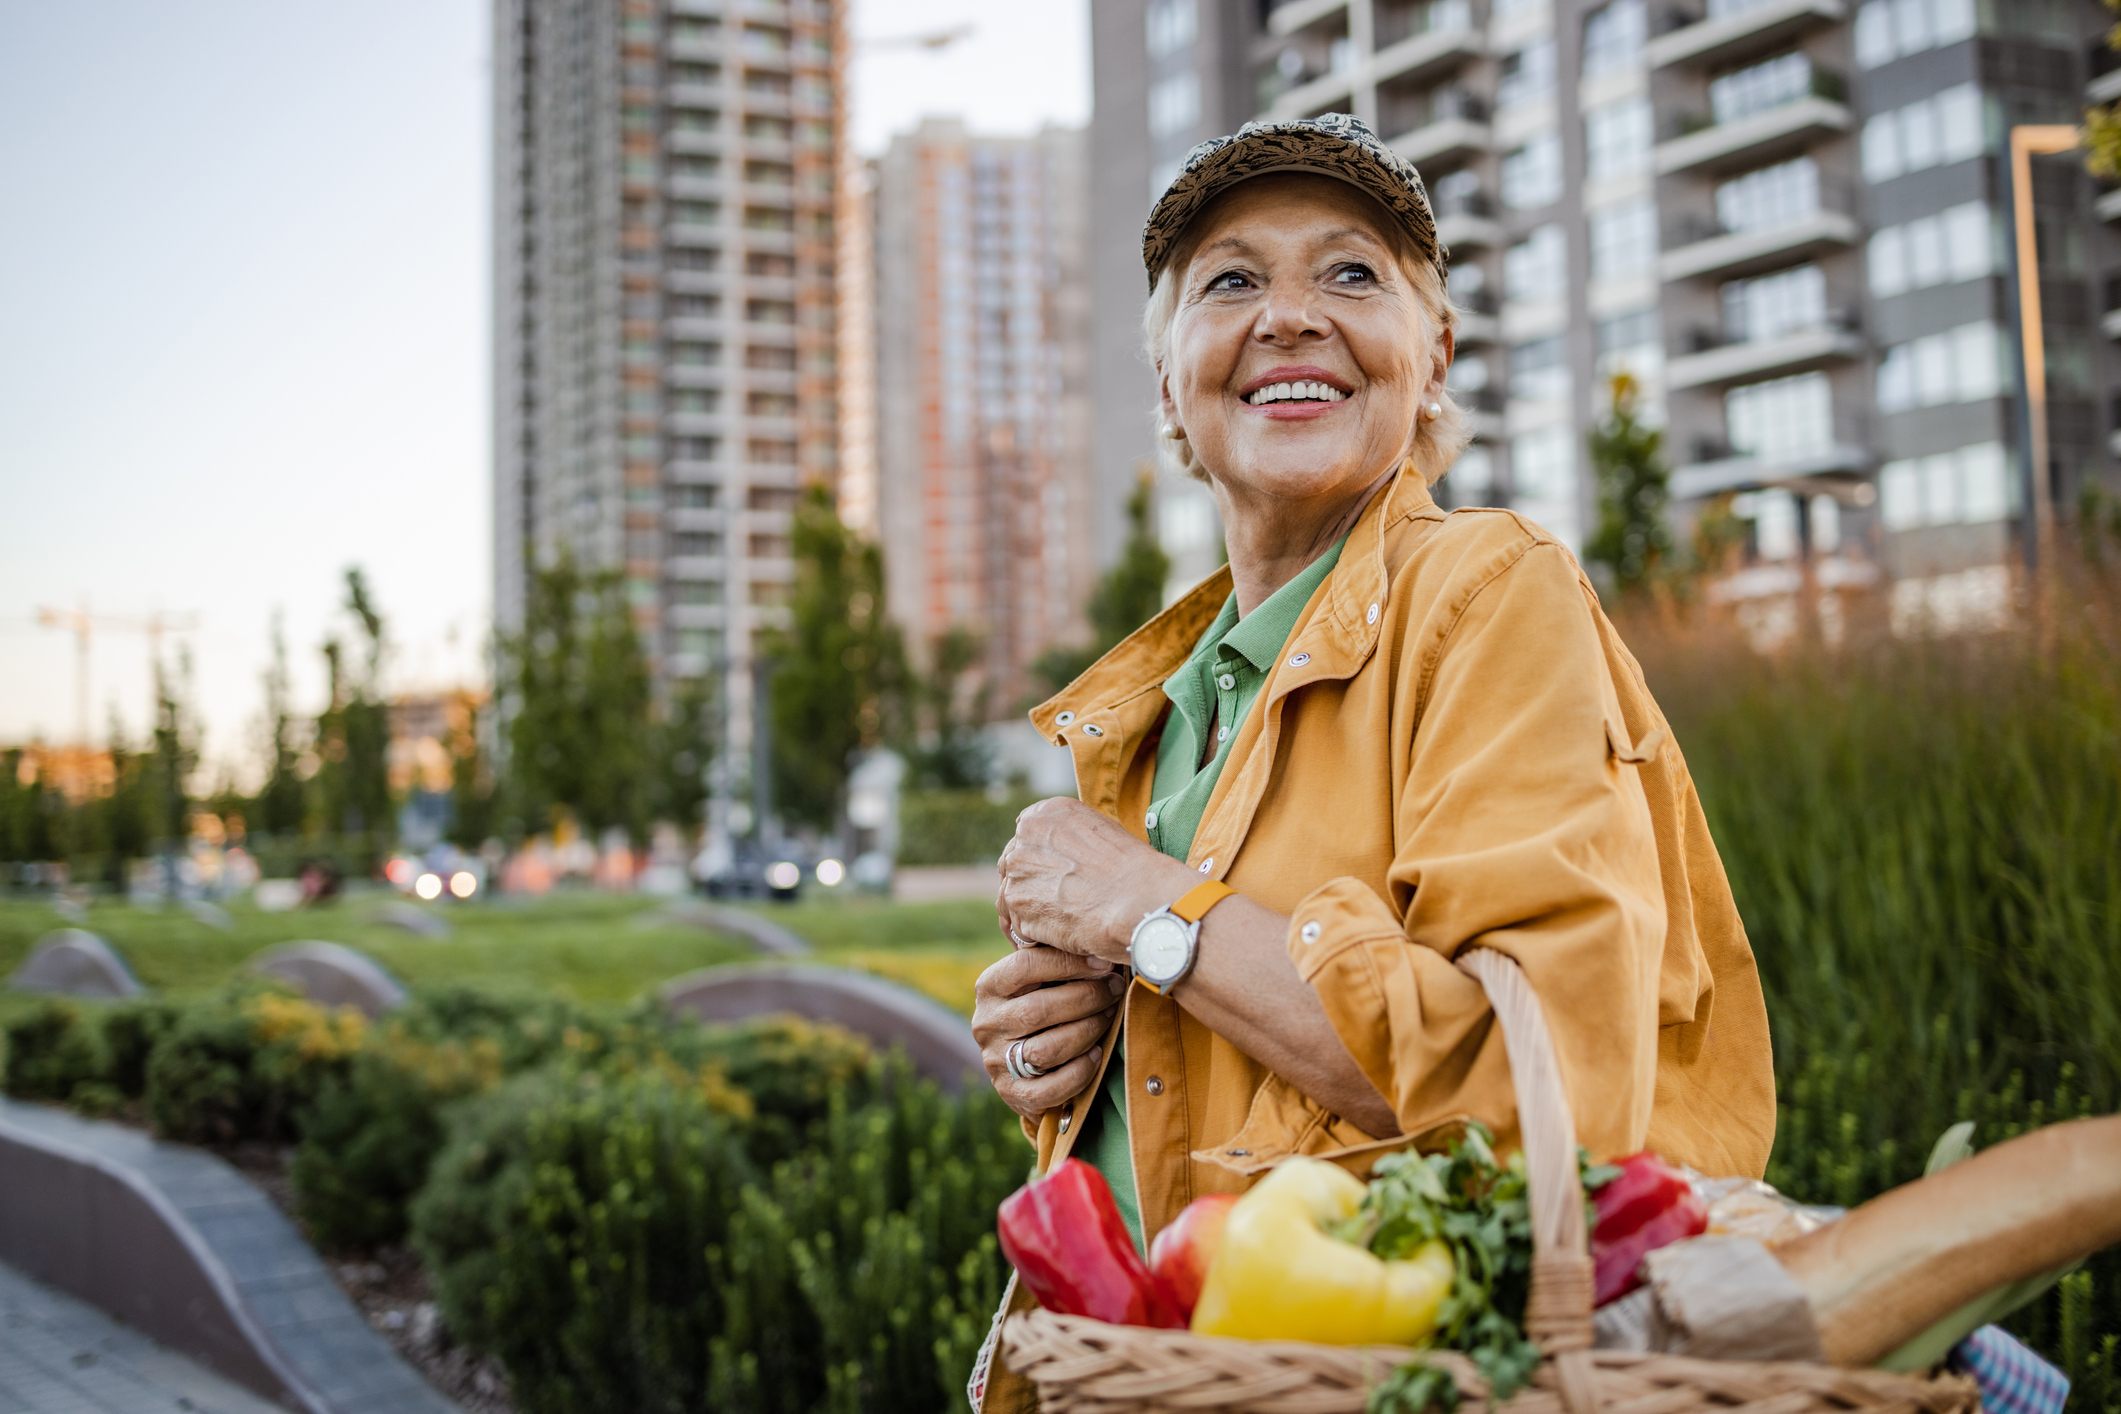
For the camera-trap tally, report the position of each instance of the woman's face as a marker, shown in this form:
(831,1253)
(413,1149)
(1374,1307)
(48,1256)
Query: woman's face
(1292,282)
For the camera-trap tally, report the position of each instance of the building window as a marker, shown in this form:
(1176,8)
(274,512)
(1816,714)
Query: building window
(691,496)
(768,218)
(758,125)
(696,591)
(1769,306)
(1624,239)
(769,174)
(1632,341)
(1769,197)
(695,306)
(765,356)
(1782,420)
(1962,365)
(695,399)
(1613,37)
(1174,104)
(1958,243)
(1888,29)
(698,75)
(1617,138)
(1531,175)
(695,354)
(699,642)
(688,544)
(770,498)
(695,449)
(1468,374)
(695,120)
(1543,464)
(1537,267)
(769,311)
(1527,74)
(1759,87)
(695,258)
(1539,369)
(766,451)
(1944,127)
(764,546)
(692,28)
(770,405)
(1172,25)
(1967,487)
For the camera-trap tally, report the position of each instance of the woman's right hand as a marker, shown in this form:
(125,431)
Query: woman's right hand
(1063,1003)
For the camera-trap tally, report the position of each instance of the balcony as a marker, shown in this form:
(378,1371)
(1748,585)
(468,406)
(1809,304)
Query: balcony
(1423,55)
(1718,470)
(1705,249)
(2108,206)
(1292,15)
(1740,31)
(1466,223)
(1723,146)
(1454,126)
(1795,352)
(2105,70)
(1328,92)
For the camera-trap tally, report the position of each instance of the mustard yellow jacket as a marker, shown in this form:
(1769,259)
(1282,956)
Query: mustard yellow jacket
(1455,748)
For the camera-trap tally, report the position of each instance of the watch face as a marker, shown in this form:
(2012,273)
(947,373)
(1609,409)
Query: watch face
(1161,946)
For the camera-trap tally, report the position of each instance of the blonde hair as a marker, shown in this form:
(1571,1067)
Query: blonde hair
(1437,443)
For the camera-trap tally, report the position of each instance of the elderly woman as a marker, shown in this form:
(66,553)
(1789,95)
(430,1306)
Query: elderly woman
(1382,736)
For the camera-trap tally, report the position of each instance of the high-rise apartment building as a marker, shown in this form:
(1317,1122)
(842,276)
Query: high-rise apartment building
(665,177)
(982,314)
(1789,219)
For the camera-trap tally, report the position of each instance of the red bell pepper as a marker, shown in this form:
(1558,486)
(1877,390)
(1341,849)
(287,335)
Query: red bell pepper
(1649,1205)
(1067,1241)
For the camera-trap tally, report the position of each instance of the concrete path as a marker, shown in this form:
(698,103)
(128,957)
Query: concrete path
(59,1356)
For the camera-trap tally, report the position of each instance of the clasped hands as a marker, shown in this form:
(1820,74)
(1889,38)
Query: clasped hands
(1073,885)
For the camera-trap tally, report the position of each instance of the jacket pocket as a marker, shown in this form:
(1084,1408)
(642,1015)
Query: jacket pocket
(1283,1121)
(1635,753)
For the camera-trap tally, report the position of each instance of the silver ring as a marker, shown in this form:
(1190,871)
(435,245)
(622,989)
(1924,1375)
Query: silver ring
(1020,940)
(1020,1064)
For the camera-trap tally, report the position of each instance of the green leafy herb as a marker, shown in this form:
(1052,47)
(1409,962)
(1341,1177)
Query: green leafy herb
(1480,1208)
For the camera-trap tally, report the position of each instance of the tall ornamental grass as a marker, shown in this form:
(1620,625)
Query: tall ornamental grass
(1924,838)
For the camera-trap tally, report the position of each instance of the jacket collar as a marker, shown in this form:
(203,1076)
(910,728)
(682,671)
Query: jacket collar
(1337,638)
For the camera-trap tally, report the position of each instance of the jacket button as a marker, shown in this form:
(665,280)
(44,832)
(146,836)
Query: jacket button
(1093,729)
(1297,660)
(1065,1121)
(1371,617)
(1309,932)
(1064,719)
(1240,1153)
(1154,1085)
(1207,864)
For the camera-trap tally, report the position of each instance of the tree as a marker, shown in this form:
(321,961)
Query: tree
(578,680)
(283,803)
(681,748)
(949,753)
(471,785)
(1128,595)
(353,732)
(1633,487)
(838,670)
(2102,126)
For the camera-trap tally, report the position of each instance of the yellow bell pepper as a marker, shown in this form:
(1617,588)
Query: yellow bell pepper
(1280,1276)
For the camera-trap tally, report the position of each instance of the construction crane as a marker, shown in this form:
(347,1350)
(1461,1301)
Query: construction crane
(84,625)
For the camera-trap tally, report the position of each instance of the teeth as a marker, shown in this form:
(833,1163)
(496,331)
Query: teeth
(1304,391)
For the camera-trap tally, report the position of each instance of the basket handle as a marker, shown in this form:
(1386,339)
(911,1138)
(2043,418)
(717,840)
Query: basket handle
(1558,1311)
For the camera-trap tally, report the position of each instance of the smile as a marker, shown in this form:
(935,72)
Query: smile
(1303,392)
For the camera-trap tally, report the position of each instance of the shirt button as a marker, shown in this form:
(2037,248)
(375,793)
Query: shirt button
(1309,932)
(1151,821)
(1226,682)
(1207,864)
(1222,733)
(1154,1085)
(1297,660)
(1371,617)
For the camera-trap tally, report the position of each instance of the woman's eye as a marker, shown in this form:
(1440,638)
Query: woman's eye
(1353,275)
(1230,280)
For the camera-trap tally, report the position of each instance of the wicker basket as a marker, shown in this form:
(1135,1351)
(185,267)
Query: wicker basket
(1081,1366)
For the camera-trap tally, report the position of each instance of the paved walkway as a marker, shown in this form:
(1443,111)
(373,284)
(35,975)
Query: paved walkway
(58,1356)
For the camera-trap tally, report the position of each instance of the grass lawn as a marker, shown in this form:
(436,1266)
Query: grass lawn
(589,947)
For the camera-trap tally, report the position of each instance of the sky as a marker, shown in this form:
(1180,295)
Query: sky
(243,325)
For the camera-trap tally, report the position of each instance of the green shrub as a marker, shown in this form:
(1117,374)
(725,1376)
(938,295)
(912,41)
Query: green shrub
(129,1032)
(955,826)
(240,1066)
(612,1242)
(568,1228)
(50,1050)
(367,1141)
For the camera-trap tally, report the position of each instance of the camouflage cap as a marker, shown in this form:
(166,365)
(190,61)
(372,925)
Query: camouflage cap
(1332,145)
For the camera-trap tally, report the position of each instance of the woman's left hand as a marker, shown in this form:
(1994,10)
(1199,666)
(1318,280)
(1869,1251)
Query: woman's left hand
(1076,880)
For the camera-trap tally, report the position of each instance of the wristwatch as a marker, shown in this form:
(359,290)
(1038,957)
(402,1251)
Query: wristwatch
(1165,942)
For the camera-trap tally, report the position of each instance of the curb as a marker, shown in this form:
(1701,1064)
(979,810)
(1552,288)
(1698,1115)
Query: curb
(178,1245)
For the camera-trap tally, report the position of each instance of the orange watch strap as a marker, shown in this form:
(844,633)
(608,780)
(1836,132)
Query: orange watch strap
(1200,898)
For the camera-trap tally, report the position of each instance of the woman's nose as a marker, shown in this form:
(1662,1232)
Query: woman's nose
(1289,316)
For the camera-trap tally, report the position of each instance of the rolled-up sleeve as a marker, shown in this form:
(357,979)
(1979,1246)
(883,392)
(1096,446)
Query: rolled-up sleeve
(1518,826)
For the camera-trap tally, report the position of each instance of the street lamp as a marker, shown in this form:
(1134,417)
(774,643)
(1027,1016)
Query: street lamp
(2027,139)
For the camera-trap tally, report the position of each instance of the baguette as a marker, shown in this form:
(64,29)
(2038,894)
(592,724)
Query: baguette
(1886,1272)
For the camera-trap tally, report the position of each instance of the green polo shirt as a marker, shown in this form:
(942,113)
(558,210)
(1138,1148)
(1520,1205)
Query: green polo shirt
(1211,695)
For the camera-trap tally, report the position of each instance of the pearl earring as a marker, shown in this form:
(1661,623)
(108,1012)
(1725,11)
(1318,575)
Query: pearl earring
(1175,433)
(1432,412)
